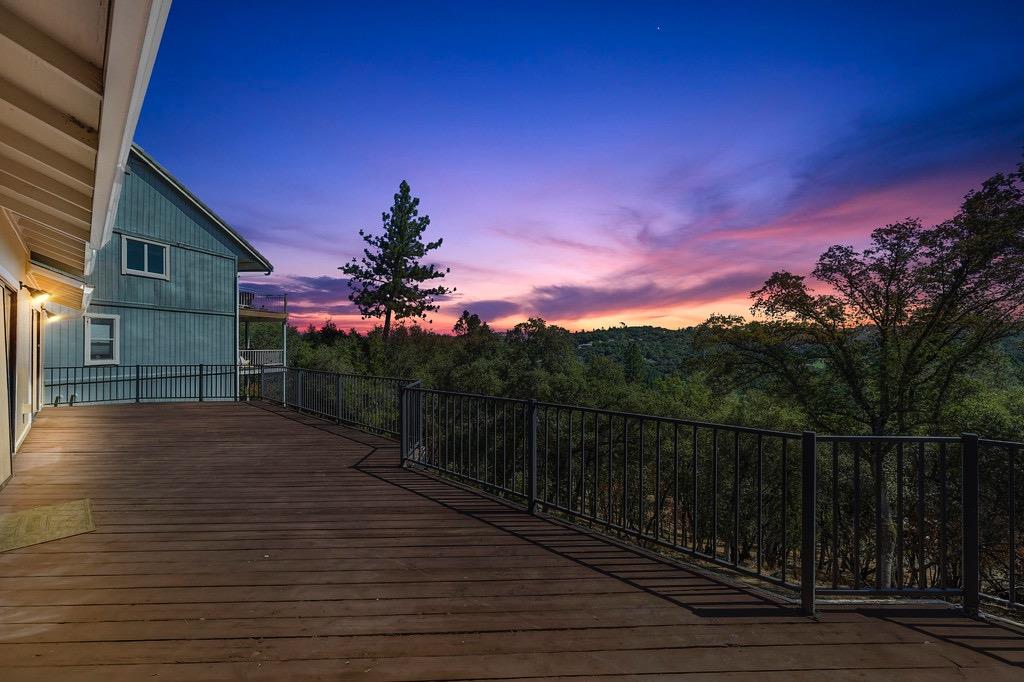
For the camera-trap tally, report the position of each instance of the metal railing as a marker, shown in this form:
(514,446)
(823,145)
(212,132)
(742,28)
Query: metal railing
(270,303)
(259,357)
(139,383)
(368,402)
(822,515)
(730,495)
(920,516)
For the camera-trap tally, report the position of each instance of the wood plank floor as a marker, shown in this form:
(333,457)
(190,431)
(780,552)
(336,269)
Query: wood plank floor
(243,542)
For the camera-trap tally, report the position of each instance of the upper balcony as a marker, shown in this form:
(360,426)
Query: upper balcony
(254,305)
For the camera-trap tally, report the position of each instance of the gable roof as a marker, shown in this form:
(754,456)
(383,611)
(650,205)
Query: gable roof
(250,260)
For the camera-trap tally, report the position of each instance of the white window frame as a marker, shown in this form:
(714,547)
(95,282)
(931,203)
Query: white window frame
(116,345)
(125,270)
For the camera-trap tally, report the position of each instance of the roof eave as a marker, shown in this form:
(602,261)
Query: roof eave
(260,262)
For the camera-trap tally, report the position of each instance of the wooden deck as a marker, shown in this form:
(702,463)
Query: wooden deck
(236,542)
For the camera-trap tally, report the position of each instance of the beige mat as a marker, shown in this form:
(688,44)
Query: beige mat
(42,524)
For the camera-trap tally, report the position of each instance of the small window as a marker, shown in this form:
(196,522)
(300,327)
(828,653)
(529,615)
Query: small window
(145,258)
(102,342)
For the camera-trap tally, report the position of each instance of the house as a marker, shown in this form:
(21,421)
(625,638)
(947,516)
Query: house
(165,306)
(72,79)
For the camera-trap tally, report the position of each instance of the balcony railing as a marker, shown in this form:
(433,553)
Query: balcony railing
(261,357)
(817,515)
(368,402)
(139,383)
(267,303)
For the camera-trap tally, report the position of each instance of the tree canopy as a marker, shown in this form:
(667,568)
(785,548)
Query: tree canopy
(887,338)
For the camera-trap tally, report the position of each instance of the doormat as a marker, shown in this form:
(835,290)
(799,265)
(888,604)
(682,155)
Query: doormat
(42,524)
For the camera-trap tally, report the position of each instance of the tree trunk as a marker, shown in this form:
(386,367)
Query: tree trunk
(387,323)
(887,538)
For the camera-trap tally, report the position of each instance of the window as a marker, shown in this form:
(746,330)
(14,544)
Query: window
(145,258)
(102,339)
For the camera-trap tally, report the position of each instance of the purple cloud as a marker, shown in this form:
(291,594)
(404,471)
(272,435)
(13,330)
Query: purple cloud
(493,309)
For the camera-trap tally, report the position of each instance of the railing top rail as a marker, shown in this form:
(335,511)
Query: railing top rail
(465,394)
(674,420)
(887,439)
(243,290)
(1000,443)
(94,368)
(354,376)
(615,413)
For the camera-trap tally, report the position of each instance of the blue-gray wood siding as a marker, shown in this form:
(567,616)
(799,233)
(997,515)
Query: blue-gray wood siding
(189,318)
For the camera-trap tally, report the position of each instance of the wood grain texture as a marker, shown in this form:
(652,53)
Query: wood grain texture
(242,541)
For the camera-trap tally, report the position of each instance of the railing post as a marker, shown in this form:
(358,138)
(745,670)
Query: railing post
(337,398)
(138,386)
(403,431)
(200,382)
(262,383)
(808,519)
(531,471)
(971,530)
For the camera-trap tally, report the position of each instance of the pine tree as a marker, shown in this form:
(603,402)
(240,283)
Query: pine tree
(388,280)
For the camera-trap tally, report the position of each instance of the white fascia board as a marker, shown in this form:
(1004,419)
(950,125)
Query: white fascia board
(134,31)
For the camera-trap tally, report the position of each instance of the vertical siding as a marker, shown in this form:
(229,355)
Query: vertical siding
(188,319)
(198,281)
(148,337)
(152,208)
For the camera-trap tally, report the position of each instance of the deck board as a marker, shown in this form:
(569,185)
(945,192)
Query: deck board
(241,541)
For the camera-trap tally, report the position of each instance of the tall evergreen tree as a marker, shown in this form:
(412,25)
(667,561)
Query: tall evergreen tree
(388,280)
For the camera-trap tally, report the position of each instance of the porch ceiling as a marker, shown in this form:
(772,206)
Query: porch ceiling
(72,77)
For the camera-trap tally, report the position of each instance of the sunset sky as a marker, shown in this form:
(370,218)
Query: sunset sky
(590,163)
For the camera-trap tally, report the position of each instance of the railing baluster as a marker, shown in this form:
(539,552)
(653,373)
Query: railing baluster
(899,516)
(675,485)
(835,514)
(625,473)
(532,456)
(969,508)
(693,483)
(657,480)
(877,472)
(714,493)
(760,503)
(856,516)
(736,499)
(808,520)
(943,518)
(597,457)
(1012,530)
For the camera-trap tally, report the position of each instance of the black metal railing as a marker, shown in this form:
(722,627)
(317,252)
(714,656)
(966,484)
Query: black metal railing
(269,303)
(727,494)
(892,518)
(139,383)
(1000,473)
(828,515)
(368,402)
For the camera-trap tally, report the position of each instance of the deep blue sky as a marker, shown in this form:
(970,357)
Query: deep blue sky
(588,162)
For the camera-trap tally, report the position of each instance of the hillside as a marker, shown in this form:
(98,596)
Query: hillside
(664,351)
